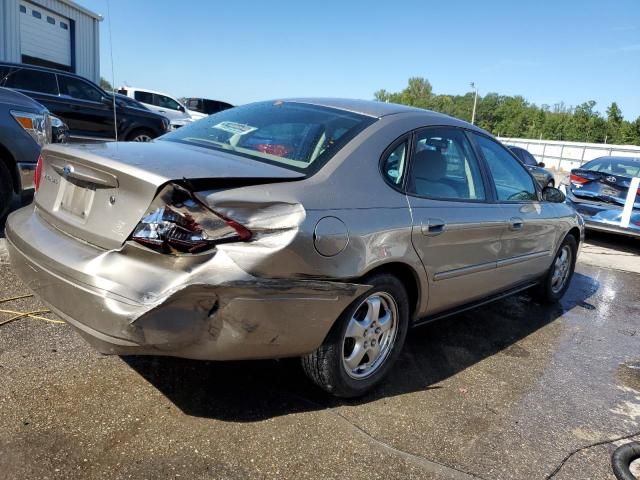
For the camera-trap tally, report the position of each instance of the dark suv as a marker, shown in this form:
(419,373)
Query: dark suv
(543,176)
(204,105)
(24,128)
(82,105)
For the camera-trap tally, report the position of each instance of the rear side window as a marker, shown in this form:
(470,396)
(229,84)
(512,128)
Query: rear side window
(144,97)
(395,164)
(443,166)
(296,136)
(32,80)
(513,183)
(79,89)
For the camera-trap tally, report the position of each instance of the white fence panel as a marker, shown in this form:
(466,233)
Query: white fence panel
(563,156)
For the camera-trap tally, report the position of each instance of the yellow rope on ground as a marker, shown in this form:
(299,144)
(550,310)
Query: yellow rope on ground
(5,300)
(34,314)
(18,315)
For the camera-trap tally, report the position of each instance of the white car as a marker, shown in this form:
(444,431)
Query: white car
(163,104)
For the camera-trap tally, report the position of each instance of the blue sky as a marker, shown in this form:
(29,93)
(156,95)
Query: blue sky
(241,51)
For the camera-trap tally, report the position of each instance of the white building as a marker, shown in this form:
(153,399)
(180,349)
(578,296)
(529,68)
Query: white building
(51,33)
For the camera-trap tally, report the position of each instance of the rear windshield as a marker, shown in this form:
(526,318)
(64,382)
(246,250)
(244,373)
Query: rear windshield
(296,136)
(616,166)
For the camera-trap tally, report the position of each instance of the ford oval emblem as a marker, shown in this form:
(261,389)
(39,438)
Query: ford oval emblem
(611,179)
(67,170)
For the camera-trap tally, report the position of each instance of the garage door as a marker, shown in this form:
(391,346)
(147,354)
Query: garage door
(44,35)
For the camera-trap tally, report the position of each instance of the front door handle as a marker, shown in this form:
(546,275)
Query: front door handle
(432,227)
(516,223)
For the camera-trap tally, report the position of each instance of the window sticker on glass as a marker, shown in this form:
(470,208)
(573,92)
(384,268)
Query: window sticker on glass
(235,128)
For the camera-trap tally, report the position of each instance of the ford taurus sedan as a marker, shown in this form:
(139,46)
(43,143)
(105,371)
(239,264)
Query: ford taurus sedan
(312,228)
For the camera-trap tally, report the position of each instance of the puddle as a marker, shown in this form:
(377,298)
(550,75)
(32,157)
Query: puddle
(629,375)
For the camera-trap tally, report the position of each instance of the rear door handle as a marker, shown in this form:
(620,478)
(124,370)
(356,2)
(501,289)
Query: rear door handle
(516,223)
(432,227)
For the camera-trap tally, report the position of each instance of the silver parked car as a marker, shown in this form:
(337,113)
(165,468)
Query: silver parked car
(316,228)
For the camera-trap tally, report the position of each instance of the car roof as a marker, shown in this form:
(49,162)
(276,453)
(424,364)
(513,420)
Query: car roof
(148,90)
(374,108)
(42,69)
(612,158)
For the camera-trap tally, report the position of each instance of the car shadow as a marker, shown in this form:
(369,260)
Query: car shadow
(16,203)
(621,243)
(257,390)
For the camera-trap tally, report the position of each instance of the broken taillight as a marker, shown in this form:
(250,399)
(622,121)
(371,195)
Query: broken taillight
(177,223)
(578,180)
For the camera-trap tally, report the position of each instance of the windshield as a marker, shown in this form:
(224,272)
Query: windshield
(296,136)
(616,166)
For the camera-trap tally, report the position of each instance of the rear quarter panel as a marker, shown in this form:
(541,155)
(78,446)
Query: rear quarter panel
(351,188)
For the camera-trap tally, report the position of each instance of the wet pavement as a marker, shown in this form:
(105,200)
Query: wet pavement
(513,390)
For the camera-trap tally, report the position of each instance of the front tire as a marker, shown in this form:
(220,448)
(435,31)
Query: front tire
(556,282)
(140,136)
(364,342)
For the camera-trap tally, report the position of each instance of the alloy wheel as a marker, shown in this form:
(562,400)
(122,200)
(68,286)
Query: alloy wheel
(561,269)
(370,335)
(142,137)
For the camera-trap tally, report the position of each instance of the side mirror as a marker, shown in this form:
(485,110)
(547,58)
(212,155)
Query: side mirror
(181,108)
(553,195)
(541,164)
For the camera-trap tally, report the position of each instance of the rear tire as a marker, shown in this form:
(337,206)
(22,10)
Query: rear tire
(6,191)
(556,281)
(364,342)
(140,136)
(622,459)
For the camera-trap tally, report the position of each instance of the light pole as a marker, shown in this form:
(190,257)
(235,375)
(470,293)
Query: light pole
(475,102)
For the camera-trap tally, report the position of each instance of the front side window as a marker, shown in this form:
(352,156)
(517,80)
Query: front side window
(443,166)
(296,136)
(163,101)
(395,164)
(513,183)
(79,89)
(529,159)
(32,80)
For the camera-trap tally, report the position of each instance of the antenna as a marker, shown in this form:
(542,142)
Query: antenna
(113,75)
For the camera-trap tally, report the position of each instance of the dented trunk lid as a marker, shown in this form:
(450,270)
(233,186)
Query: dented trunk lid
(99,192)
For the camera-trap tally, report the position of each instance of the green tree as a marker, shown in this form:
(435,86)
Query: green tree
(105,85)
(513,116)
(614,123)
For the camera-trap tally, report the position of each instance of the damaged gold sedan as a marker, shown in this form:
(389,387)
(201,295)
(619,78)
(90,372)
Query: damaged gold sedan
(316,228)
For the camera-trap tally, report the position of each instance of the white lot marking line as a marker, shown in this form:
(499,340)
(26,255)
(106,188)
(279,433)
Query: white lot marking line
(628,204)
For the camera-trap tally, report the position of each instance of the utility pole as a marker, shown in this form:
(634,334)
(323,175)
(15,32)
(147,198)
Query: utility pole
(475,102)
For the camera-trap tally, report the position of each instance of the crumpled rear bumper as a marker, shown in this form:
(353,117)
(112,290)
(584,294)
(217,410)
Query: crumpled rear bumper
(605,217)
(132,301)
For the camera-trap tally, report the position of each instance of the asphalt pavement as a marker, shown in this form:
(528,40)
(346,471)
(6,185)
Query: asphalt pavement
(512,390)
